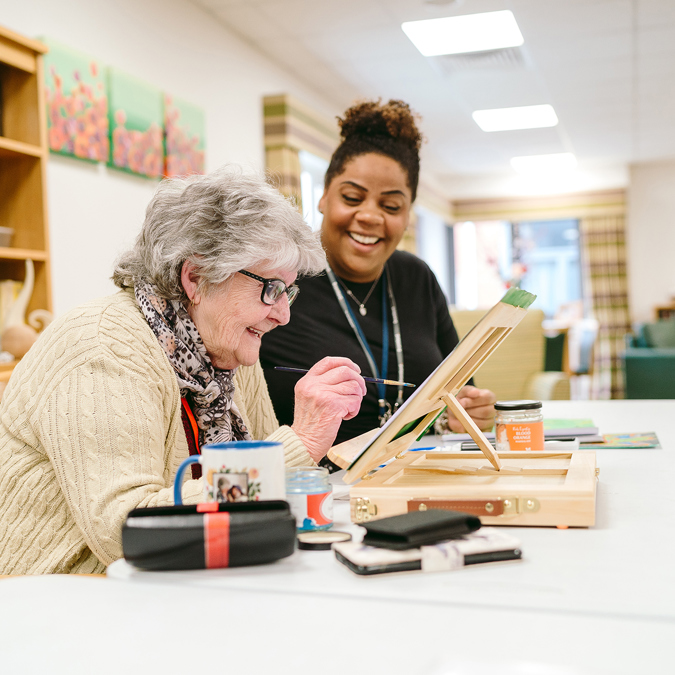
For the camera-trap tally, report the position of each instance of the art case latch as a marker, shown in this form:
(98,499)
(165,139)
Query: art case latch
(363,509)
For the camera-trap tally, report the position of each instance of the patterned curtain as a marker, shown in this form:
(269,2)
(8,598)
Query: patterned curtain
(603,253)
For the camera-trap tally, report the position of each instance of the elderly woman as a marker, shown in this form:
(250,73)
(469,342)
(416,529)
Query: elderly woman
(97,416)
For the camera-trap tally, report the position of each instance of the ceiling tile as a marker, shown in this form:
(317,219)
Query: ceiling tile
(656,42)
(216,5)
(655,13)
(560,50)
(360,45)
(572,20)
(311,18)
(418,10)
(487,90)
(613,93)
(248,20)
(396,69)
(289,52)
(656,67)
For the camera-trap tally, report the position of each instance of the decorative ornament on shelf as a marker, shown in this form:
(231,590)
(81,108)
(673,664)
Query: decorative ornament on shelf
(6,234)
(17,336)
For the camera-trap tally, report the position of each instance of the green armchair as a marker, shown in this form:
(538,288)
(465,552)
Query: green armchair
(649,361)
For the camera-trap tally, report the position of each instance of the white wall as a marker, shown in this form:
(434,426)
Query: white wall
(651,237)
(96,212)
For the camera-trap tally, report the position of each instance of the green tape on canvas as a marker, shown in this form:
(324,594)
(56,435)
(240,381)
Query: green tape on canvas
(411,425)
(518,298)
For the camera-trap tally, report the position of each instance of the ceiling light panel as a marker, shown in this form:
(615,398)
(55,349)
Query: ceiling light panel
(461,34)
(522,117)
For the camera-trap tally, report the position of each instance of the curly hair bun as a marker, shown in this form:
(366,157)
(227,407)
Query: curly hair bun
(372,118)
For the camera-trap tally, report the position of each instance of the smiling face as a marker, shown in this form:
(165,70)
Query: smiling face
(365,213)
(232,318)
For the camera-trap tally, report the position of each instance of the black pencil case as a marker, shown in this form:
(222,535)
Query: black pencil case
(207,536)
(419,528)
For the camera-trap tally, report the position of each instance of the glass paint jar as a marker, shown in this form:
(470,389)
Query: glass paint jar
(310,496)
(519,426)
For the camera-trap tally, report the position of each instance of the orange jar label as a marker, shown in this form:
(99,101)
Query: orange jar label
(521,437)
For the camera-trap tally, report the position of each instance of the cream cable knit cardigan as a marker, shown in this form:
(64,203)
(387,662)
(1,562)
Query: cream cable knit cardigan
(90,428)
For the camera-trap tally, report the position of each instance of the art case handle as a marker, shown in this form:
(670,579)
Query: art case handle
(207,536)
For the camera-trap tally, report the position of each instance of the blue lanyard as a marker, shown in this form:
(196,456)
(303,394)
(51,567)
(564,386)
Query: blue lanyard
(381,388)
(384,407)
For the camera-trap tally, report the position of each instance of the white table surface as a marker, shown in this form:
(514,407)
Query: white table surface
(596,600)
(69,625)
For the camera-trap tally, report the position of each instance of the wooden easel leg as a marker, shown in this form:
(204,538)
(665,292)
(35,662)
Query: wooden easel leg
(472,429)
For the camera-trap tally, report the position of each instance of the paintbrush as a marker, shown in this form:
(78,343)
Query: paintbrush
(376,380)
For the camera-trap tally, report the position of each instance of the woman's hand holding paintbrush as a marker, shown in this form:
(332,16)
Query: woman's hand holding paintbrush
(330,391)
(367,379)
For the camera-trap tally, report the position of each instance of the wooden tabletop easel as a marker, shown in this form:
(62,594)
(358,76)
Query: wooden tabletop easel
(364,453)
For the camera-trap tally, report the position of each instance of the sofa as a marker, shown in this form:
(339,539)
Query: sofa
(649,360)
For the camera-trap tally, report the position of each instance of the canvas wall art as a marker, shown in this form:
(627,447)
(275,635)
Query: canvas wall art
(77,104)
(136,119)
(184,128)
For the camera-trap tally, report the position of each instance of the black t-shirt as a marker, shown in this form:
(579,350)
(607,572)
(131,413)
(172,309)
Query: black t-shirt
(318,328)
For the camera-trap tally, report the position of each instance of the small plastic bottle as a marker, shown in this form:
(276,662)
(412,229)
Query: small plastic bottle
(311,497)
(519,426)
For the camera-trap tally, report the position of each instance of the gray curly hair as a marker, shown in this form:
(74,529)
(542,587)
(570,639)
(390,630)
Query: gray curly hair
(221,222)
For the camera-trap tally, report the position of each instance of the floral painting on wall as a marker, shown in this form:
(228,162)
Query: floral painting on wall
(184,129)
(136,117)
(77,104)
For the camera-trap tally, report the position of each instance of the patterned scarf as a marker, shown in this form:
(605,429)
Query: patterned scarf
(209,390)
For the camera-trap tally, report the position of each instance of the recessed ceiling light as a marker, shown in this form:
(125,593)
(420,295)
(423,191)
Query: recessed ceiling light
(524,117)
(468,33)
(541,164)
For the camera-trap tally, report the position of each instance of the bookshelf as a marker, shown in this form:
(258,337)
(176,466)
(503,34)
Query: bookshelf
(23,167)
(665,311)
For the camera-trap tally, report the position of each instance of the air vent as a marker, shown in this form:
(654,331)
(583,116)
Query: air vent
(494,59)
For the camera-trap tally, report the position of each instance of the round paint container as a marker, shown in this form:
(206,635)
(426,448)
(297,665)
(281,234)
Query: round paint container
(519,426)
(310,495)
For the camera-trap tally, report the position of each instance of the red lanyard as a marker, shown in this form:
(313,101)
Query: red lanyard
(192,435)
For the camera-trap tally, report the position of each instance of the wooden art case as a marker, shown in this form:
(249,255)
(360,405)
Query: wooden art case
(534,488)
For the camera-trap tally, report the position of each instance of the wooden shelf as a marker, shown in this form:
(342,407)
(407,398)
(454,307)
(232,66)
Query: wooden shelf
(8,253)
(23,168)
(664,312)
(12,148)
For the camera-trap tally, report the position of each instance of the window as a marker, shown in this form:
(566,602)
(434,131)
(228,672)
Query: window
(312,172)
(483,262)
(539,256)
(548,255)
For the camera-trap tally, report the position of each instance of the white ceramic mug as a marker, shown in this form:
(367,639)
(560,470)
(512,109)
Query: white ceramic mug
(238,471)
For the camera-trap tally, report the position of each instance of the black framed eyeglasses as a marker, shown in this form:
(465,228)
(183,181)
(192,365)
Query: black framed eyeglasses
(273,289)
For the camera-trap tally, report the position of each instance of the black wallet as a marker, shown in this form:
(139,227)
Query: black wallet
(419,528)
(209,535)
